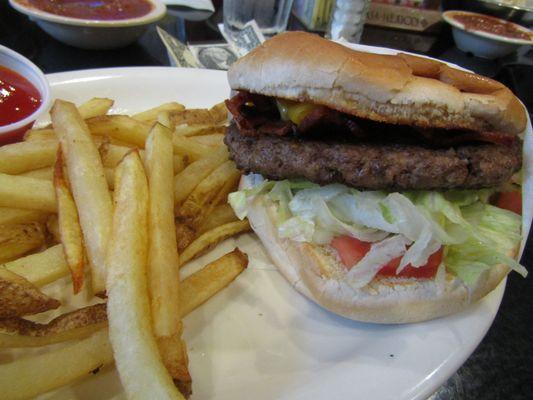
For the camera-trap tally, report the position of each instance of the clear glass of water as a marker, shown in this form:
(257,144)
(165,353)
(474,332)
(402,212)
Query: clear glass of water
(271,15)
(348,19)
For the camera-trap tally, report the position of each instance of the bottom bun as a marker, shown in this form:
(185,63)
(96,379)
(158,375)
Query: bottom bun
(316,272)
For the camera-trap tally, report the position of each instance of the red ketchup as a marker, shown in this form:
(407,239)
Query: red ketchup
(18,99)
(104,10)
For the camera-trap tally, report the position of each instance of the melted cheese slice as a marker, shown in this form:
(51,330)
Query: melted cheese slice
(294,111)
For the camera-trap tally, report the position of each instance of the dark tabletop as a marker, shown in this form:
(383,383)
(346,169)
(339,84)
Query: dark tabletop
(502,365)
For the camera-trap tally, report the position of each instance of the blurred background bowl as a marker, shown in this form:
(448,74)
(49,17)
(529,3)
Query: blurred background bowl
(92,33)
(481,43)
(520,12)
(14,61)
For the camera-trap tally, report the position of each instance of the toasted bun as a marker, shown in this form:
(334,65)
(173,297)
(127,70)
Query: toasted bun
(398,89)
(316,272)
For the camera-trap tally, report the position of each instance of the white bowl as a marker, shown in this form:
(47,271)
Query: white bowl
(90,33)
(20,64)
(480,43)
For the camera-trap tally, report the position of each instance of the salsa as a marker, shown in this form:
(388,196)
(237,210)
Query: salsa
(104,10)
(492,25)
(18,97)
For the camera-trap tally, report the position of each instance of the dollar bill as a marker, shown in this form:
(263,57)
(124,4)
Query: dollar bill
(214,56)
(178,53)
(244,40)
(193,4)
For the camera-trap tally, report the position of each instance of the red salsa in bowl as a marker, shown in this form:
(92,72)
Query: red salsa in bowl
(101,10)
(495,26)
(18,97)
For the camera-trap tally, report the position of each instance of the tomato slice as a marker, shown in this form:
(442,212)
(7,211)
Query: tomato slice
(429,270)
(511,201)
(352,250)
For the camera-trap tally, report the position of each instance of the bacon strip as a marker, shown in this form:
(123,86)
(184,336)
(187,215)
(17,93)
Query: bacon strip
(257,115)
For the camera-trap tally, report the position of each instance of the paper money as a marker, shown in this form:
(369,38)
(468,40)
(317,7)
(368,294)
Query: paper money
(214,56)
(244,40)
(178,53)
(194,4)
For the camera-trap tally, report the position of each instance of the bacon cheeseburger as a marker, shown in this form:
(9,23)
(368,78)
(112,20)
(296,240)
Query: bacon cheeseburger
(371,176)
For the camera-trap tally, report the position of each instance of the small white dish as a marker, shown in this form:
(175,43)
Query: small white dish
(481,43)
(92,33)
(21,65)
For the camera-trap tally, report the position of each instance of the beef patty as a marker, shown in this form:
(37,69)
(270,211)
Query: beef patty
(375,166)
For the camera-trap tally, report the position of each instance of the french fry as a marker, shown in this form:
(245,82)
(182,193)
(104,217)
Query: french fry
(193,150)
(179,163)
(52,226)
(214,140)
(194,173)
(95,107)
(120,127)
(195,290)
(198,130)
(49,135)
(113,154)
(110,177)
(98,140)
(211,238)
(151,115)
(217,115)
(25,156)
(40,268)
(132,251)
(30,376)
(27,193)
(78,324)
(142,373)
(222,214)
(89,186)
(201,285)
(39,134)
(46,173)
(200,202)
(231,184)
(184,235)
(69,225)
(191,116)
(17,240)
(19,297)
(164,119)
(163,262)
(9,216)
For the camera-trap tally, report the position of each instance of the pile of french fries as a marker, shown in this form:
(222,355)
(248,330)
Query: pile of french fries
(113,205)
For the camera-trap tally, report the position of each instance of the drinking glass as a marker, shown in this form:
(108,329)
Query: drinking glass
(271,15)
(347,20)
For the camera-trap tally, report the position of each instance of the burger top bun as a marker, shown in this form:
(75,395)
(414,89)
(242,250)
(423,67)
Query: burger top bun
(397,89)
(316,273)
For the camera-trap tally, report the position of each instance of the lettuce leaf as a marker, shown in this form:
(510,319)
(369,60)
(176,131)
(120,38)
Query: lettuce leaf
(501,230)
(477,235)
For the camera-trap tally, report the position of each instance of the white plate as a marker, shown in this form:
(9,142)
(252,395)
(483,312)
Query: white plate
(259,338)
